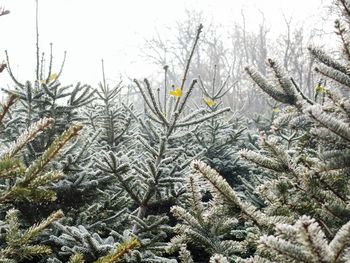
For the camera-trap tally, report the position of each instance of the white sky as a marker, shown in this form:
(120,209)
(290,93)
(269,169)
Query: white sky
(115,31)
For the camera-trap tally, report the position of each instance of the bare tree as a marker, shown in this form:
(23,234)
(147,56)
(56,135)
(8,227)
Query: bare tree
(228,53)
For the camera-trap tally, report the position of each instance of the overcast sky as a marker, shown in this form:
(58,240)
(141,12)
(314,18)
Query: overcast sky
(116,30)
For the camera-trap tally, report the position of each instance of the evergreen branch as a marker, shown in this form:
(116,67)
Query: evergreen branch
(196,197)
(188,162)
(46,179)
(50,153)
(337,127)
(313,239)
(201,85)
(286,250)
(340,242)
(220,185)
(19,245)
(346,8)
(333,74)
(184,215)
(118,170)
(37,39)
(154,103)
(6,107)
(185,98)
(76,258)
(145,98)
(306,242)
(62,65)
(27,136)
(35,230)
(182,105)
(218,258)
(84,98)
(322,56)
(214,79)
(153,117)
(261,81)
(166,67)
(13,231)
(50,66)
(147,146)
(141,172)
(263,161)
(118,254)
(284,82)
(341,32)
(10,71)
(11,168)
(202,119)
(199,30)
(301,93)
(185,255)
(221,92)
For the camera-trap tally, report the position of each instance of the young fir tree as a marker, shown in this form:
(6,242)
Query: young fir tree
(220,137)
(19,182)
(156,162)
(46,99)
(110,115)
(29,183)
(91,230)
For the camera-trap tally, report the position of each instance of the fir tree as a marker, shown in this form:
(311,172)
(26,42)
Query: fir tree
(19,182)
(160,154)
(220,137)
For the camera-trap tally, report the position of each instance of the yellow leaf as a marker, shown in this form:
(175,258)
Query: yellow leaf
(177,92)
(320,89)
(209,102)
(276,110)
(53,77)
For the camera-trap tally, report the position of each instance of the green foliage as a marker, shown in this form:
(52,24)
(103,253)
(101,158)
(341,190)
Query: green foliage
(30,181)
(219,137)
(125,187)
(306,156)
(306,242)
(18,244)
(80,240)
(150,169)
(76,258)
(117,254)
(206,225)
(21,183)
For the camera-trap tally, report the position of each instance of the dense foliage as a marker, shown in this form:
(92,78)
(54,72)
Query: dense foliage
(169,174)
